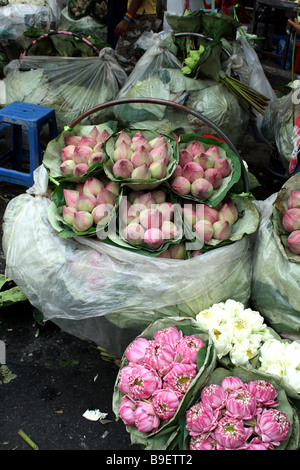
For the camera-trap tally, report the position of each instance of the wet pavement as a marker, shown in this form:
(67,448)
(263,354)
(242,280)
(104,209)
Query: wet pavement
(56,376)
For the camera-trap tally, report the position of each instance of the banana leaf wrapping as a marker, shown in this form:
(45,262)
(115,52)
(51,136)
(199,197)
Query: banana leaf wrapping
(190,23)
(219,25)
(291,443)
(276,270)
(166,436)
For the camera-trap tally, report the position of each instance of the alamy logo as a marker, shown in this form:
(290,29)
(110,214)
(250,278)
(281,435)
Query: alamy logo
(2,353)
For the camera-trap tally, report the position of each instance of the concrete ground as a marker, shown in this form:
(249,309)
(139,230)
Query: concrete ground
(58,376)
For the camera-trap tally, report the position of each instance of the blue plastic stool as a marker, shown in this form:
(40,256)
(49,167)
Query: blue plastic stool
(31,118)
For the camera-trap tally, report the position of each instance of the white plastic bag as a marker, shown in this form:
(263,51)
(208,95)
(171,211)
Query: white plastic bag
(104,293)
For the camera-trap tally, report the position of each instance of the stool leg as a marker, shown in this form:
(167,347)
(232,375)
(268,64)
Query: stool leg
(52,128)
(34,149)
(17,148)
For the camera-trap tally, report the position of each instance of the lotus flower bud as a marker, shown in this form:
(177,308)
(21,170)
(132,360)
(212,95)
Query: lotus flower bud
(189,216)
(214,177)
(136,350)
(223,166)
(96,157)
(122,168)
(67,153)
(103,136)
(113,187)
(192,171)
(102,214)
(293,242)
(106,197)
(185,156)
(177,251)
(188,347)
(208,213)
(291,219)
(138,381)
(157,141)
(126,409)
(70,196)
(272,426)
(87,142)
(177,171)
(166,209)
(79,187)
(123,137)
(181,185)
(80,169)
(68,214)
(234,210)
(159,196)
(165,403)
(85,202)
(196,253)
(205,160)
(169,230)
(264,392)
(158,169)
(140,157)
(98,147)
(67,167)
(136,136)
(82,221)
(125,218)
(225,213)
(202,189)
(92,186)
(140,142)
(204,230)
(82,154)
(94,134)
(134,233)
(195,147)
(122,152)
(154,237)
(222,230)
(160,153)
(141,173)
(232,383)
(214,152)
(151,218)
(293,201)
(72,139)
(144,199)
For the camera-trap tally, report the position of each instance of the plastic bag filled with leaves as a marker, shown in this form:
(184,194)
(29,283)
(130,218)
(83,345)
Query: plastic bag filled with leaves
(70,85)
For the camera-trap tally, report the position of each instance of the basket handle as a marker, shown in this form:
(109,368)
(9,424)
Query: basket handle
(172,104)
(51,33)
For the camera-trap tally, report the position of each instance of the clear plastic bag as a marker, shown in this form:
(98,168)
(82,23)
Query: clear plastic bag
(104,293)
(70,85)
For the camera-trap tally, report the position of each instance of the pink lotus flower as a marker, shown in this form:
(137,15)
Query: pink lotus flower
(257,444)
(214,152)
(167,211)
(201,418)
(272,426)
(204,230)
(82,221)
(241,404)
(92,186)
(122,168)
(136,350)
(165,403)
(154,237)
(82,154)
(145,417)
(264,392)
(291,219)
(160,153)
(68,214)
(113,187)
(222,230)
(140,157)
(80,169)
(214,177)
(151,218)
(294,200)
(232,383)
(122,152)
(85,202)
(195,147)
(205,160)
(188,348)
(123,137)
(134,233)
(159,196)
(159,356)
(106,197)
(72,139)
(138,381)
(225,213)
(202,189)
(185,156)
(223,166)
(96,157)
(293,242)
(177,251)
(67,153)
(67,167)
(86,141)
(181,185)
(141,173)
(231,433)
(102,214)
(214,395)
(157,141)
(139,142)
(170,231)
(158,169)
(205,212)
(180,376)
(169,335)
(126,411)
(70,196)
(200,443)
(192,171)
